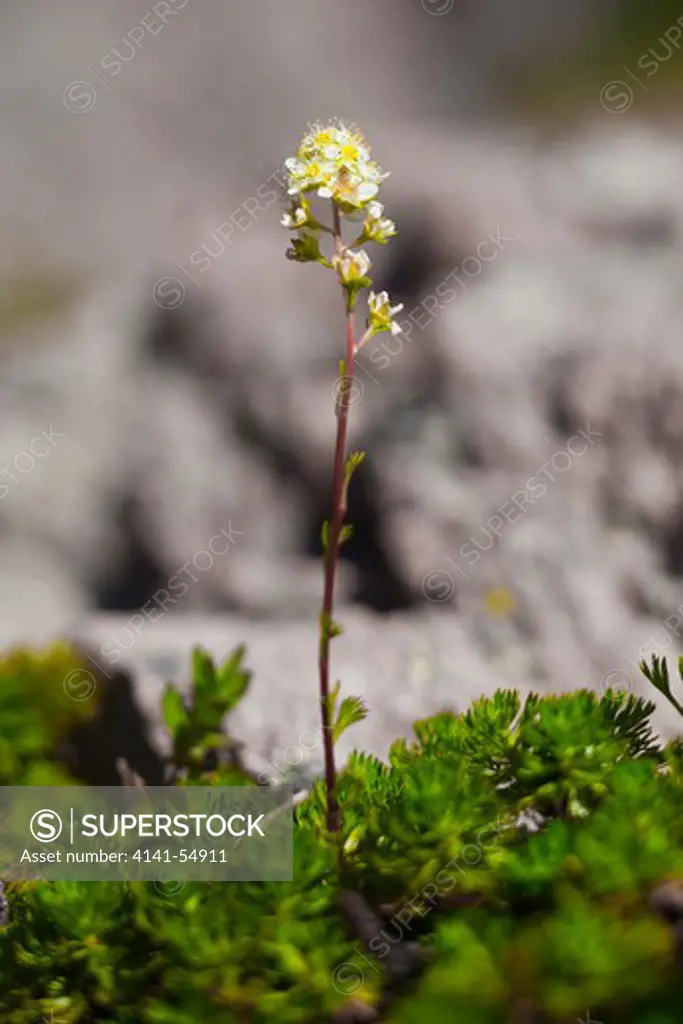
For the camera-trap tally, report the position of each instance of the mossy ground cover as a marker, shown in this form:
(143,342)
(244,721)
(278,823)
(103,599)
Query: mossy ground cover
(520,862)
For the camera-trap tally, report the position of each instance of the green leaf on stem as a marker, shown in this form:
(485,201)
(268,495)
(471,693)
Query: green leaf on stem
(345,534)
(328,627)
(353,461)
(332,699)
(232,681)
(351,710)
(173,707)
(203,672)
(658,675)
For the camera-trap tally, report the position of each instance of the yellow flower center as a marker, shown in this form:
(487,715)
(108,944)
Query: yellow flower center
(349,153)
(314,171)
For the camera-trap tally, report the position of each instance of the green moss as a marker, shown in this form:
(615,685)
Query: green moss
(41,700)
(507,921)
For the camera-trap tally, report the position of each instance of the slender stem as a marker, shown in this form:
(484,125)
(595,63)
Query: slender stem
(332,553)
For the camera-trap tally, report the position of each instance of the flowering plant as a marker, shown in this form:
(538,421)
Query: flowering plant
(333,163)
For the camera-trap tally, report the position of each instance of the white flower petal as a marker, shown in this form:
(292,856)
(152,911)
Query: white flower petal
(367,190)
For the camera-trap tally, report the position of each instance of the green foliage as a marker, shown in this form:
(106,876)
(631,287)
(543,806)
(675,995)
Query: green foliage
(344,715)
(658,675)
(37,712)
(512,924)
(196,728)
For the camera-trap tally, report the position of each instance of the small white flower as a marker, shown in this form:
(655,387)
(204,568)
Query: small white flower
(381,314)
(296,219)
(378,228)
(353,266)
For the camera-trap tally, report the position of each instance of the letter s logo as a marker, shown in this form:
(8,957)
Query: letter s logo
(46,826)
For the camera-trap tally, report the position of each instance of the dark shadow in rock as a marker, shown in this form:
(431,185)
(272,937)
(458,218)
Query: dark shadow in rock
(118,730)
(137,575)
(560,415)
(284,462)
(673,547)
(168,336)
(414,265)
(379,586)
(471,454)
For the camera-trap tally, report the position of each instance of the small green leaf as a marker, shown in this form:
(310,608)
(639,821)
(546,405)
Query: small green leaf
(353,839)
(346,534)
(328,627)
(173,709)
(351,710)
(293,962)
(332,702)
(233,680)
(203,671)
(353,461)
(658,675)
(325,534)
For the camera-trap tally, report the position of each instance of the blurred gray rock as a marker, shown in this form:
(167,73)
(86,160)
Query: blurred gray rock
(405,667)
(541,280)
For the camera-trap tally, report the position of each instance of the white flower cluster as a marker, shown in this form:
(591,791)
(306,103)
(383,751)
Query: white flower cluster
(333,162)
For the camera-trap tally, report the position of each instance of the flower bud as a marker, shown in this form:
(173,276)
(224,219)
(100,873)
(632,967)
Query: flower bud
(381,314)
(297,218)
(304,249)
(353,267)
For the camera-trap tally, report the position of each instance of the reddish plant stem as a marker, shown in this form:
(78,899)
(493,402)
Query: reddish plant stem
(339,505)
